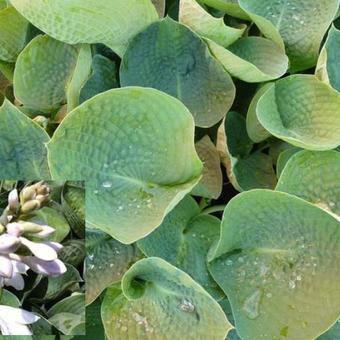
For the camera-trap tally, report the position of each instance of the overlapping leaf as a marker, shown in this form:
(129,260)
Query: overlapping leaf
(207,26)
(251,59)
(22,153)
(328,67)
(160,301)
(62,68)
(315,177)
(183,239)
(89,21)
(170,57)
(138,157)
(302,111)
(276,261)
(297,25)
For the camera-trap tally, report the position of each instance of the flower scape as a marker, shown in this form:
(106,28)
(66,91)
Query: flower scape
(207,134)
(27,243)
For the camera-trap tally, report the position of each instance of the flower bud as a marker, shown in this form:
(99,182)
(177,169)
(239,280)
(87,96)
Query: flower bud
(13,200)
(29,227)
(30,206)
(27,194)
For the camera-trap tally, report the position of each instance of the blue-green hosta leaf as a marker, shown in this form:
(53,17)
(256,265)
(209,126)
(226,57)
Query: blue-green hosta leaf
(228,6)
(277,262)
(137,156)
(283,158)
(302,111)
(103,78)
(13,28)
(48,73)
(112,23)
(210,185)
(332,334)
(9,299)
(183,239)
(170,57)
(245,170)
(315,177)
(207,26)
(299,25)
(106,262)
(160,301)
(22,152)
(328,67)
(256,132)
(251,59)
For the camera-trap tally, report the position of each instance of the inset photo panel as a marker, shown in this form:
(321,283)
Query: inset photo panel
(42,251)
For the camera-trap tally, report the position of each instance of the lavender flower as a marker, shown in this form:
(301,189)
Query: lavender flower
(14,236)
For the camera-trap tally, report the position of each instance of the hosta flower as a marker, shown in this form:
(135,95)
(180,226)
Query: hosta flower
(15,321)
(15,238)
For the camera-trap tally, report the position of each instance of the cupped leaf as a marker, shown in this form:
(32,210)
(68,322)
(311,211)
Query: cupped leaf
(22,152)
(103,78)
(256,132)
(245,169)
(302,111)
(228,6)
(207,26)
(48,73)
(137,156)
(183,239)
(277,262)
(160,301)
(89,21)
(328,67)
(299,25)
(170,57)
(106,262)
(315,177)
(210,185)
(251,59)
(13,28)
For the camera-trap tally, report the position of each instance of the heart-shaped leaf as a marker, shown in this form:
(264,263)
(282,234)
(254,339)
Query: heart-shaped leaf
(183,239)
(210,185)
(168,56)
(160,301)
(207,26)
(62,69)
(89,21)
(128,154)
(302,111)
(251,59)
(13,28)
(315,177)
(328,67)
(298,24)
(106,262)
(22,152)
(276,261)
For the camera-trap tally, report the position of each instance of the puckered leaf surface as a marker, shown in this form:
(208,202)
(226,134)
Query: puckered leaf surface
(137,155)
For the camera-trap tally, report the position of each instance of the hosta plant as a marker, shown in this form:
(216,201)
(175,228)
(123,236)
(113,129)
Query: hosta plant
(207,134)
